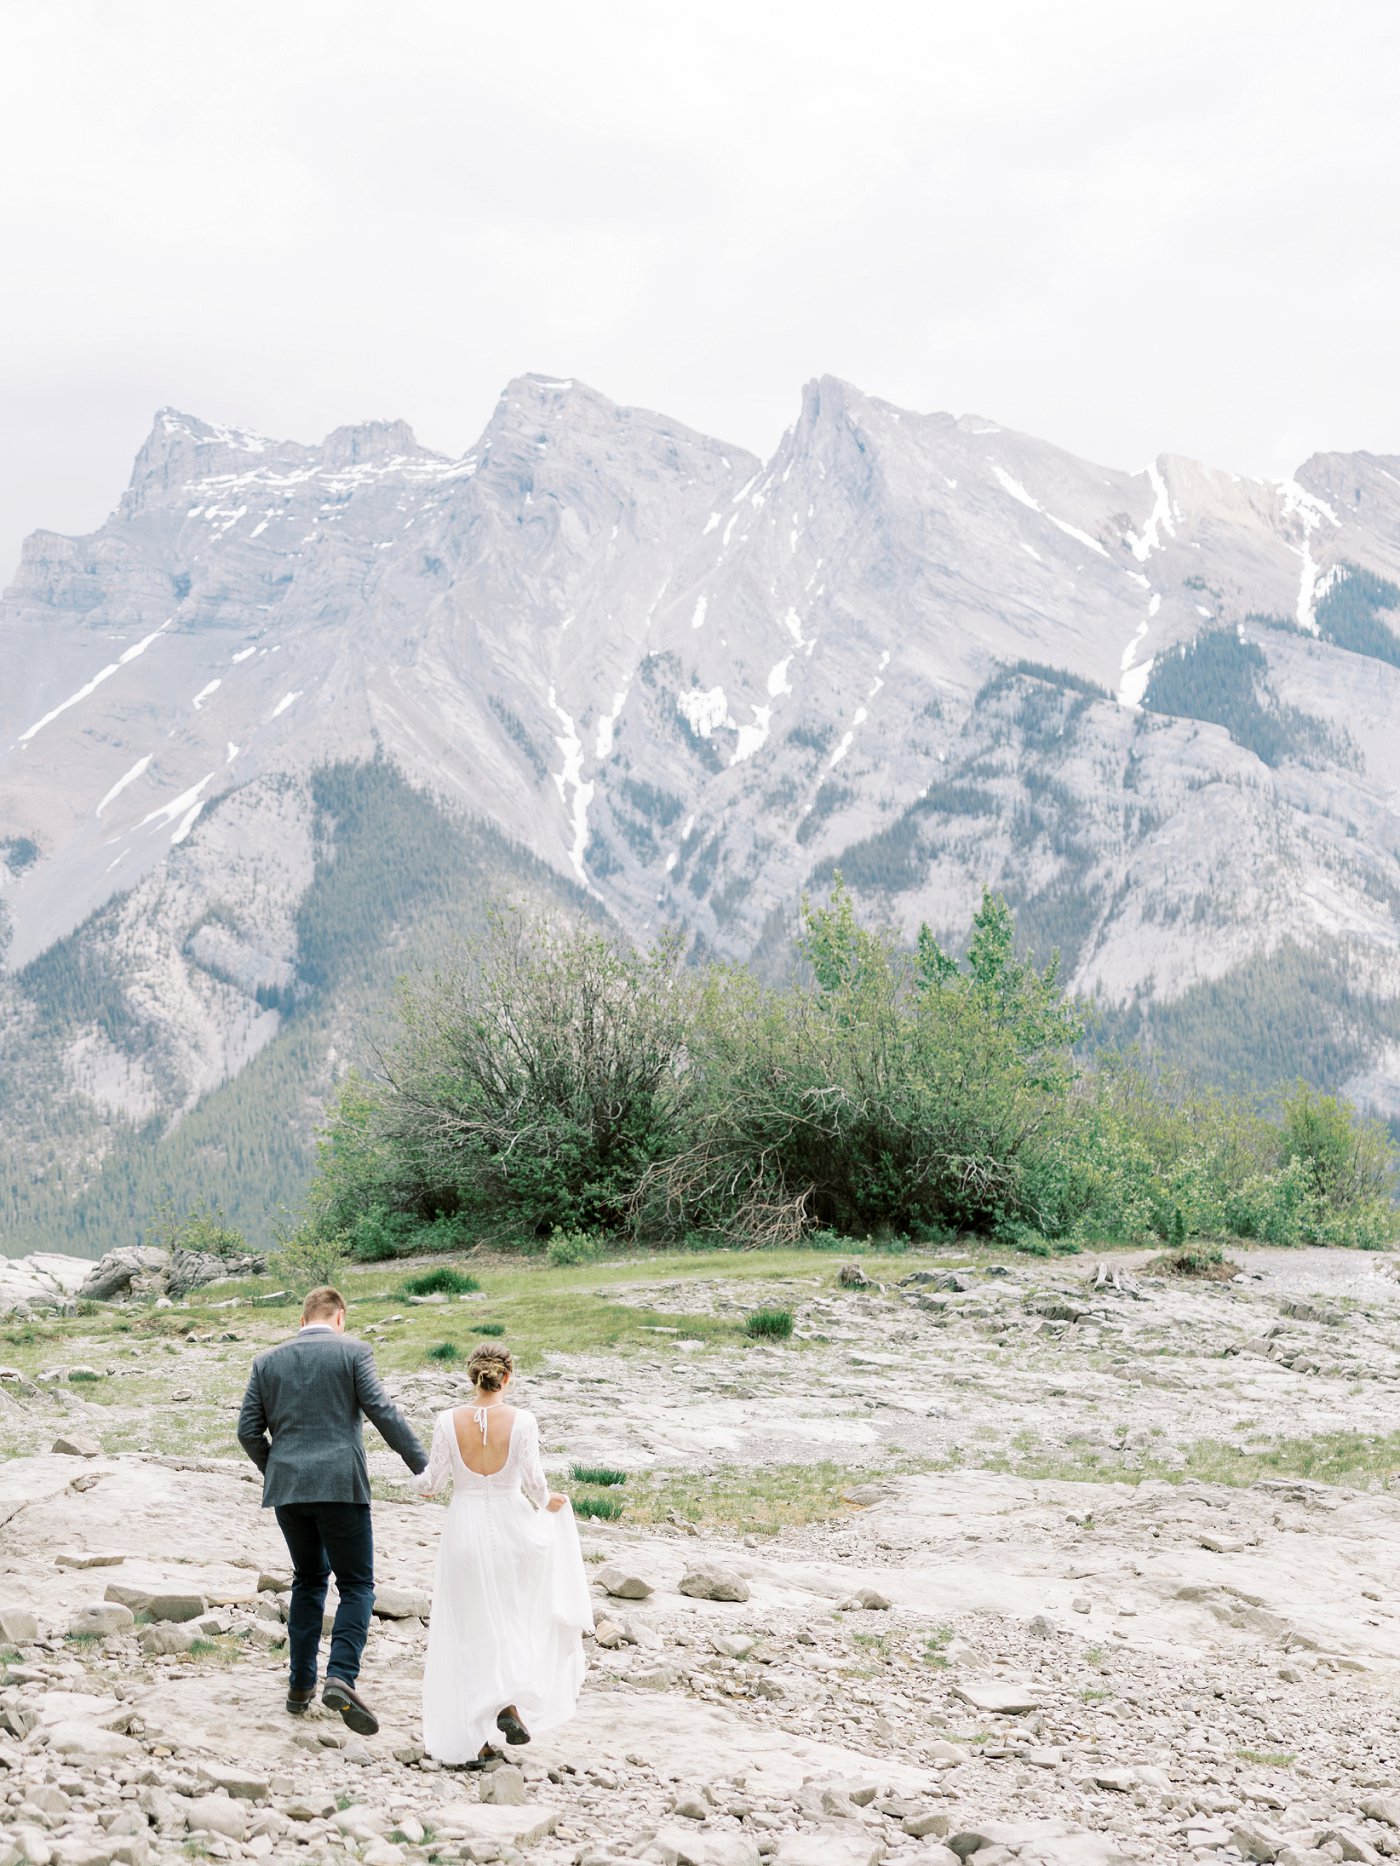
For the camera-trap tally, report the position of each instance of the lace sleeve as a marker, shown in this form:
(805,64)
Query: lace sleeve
(439,1466)
(532,1478)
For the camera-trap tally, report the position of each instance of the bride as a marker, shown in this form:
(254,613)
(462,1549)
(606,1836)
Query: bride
(511,1601)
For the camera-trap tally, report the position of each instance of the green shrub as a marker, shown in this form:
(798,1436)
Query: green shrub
(566,1248)
(558,1085)
(200,1227)
(604,1509)
(377,1235)
(769,1324)
(442,1281)
(82,1373)
(445,1351)
(1202,1258)
(598,1474)
(306,1258)
(491,1328)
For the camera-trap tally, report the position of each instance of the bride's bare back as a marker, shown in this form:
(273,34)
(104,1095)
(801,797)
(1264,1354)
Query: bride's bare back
(483,1436)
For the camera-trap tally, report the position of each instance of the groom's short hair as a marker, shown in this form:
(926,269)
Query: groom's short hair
(321,1304)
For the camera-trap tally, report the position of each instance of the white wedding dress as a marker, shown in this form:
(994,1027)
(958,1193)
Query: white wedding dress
(511,1601)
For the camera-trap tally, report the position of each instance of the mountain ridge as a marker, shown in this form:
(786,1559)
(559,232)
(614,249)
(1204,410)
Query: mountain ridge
(1154,707)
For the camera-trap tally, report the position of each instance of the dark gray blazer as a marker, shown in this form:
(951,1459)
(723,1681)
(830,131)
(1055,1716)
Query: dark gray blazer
(300,1420)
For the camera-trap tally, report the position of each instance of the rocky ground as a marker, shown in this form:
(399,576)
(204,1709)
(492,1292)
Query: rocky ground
(1081,1565)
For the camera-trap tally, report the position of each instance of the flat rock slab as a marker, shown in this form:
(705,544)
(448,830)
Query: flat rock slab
(91,1741)
(88,1558)
(716,1742)
(479,1820)
(999,1699)
(157,1604)
(831,1846)
(1038,1843)
(679,1847)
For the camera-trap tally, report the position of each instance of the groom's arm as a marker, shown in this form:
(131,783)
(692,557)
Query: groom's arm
(384,1415)
(252,1422)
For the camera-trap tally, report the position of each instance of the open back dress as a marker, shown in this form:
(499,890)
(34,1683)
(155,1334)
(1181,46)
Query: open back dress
(511,1600)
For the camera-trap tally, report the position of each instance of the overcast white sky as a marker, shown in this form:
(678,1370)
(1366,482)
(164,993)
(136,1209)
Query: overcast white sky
(1128,229)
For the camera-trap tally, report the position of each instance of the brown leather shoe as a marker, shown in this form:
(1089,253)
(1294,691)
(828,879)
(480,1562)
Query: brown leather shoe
(354,1712)
(511,1727)
(300,1699)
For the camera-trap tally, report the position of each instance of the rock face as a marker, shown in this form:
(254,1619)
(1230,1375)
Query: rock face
(913,647)
(143,1270)
(44,1281)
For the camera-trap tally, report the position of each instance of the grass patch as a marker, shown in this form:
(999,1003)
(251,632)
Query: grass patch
(225,1650)
(82,1374)
(1094,1694)
(769,1325)
(1348,1460)
(751,1500)
(934,1644)
(1267,1758)
(494,1329)
(1201,1259)
(598,1474)
(442,1280)
(84,1641)
(445,1351)
(600,1509)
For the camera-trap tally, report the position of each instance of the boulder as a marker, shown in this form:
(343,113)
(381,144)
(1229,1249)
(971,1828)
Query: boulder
(504,1788)
(401,1603)
(867,1599)
(17,1717)
(114,1275)
(164,1640)
(217,1814)
(191,1269)
(714,1583)
(18,1627)
(622,1584)
(1255,1841)
(77,1446)
(102,1617)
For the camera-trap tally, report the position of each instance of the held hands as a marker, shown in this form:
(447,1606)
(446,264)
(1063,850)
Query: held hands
(555,1503)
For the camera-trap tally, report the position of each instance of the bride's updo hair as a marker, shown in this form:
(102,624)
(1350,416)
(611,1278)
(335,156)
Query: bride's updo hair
(489,1367)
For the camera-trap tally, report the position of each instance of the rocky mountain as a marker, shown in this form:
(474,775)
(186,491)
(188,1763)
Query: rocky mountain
(291,706)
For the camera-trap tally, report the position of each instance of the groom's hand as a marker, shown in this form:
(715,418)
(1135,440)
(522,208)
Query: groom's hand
(555,1503)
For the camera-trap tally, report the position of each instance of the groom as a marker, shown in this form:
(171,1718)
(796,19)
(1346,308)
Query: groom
(300,1424)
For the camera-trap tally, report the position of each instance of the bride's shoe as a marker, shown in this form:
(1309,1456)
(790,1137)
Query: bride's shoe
(511,1727)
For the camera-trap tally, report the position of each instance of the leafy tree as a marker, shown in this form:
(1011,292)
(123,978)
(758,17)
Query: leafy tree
(531,1082)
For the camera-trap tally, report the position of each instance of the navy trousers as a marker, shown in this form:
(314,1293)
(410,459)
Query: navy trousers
(326,1539)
